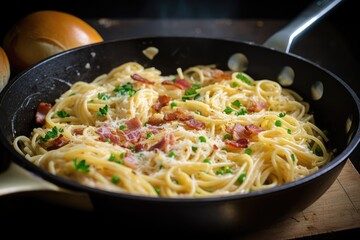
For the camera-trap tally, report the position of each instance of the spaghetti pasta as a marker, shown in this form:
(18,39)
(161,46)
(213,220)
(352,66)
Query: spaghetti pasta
(201,133)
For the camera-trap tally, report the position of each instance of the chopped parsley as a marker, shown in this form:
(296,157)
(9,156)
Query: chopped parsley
(72,94)
(278,123)
(293,157)
(235,84)
(103,96)
(236,103)
(122,155)
(53,133)
(172,154)
(62,114)
(191,93)
(318,151)
(122,127)
(243,78)
(126,89)
(202,139)
(132,148)
(81,166)
(108,140)
(196,86)
(148,135)
(289,131)
(115,179)
(194,148)
(227,137)
(241,112)
(157,190)
(282,114)
(112,158)
(197,112)
(173,104)
(228,110)
(206,160)
(241,178)
(103,111)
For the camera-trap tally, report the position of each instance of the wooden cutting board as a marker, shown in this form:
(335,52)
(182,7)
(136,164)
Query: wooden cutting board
(338,209)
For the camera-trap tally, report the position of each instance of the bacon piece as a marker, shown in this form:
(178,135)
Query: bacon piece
(161,102)
(58,142)
(130,161)
(257,106)
(178,115)
(132,136)
(238,131)
(252,129)
(240,143)
(155,121)
(79,131)
(41,112)
(218,74)
(107,133)
(139,78)
(133,124)
(140,147)
(163,143)
(195,124)
(179,83)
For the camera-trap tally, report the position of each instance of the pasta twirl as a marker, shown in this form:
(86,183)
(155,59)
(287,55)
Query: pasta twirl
(200,133)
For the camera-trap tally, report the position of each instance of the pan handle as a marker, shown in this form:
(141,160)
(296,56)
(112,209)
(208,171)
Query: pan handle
(283,39)
(15,179)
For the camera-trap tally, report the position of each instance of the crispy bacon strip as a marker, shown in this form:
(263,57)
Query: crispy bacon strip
(257,106)
(178,115)
(58,142)
(238,131)
(179,83)
(155,121)
(163,143)
(41,112)
(107,133)
(195,124)
(139,78)
(218,74)
(161,102)
(133,124)
(79,131)
(240,143)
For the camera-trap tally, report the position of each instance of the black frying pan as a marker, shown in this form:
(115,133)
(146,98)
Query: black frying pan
(337,110)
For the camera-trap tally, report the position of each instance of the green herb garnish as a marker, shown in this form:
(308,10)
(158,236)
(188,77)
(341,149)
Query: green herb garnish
(103,111)
(241,112)
(206,160)
(236,103)
(282,115)
(172,154)
(122,127)
(228,110)
(112,158)
(103,96)
(148,135)
(227,137)
(62,114)
(289,131)
(81,166)
(51,134)
(194,148)
(173,104)
(157,190)
(126,89)
(248,151)
(235,84)
(202,139)
(293,157)
(243,78)
(318,151)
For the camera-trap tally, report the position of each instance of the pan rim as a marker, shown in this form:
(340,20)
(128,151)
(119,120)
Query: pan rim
(69,184)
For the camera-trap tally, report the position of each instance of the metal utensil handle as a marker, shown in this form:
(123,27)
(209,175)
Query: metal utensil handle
(283,39)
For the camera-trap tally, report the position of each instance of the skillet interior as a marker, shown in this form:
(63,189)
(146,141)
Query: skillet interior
(47,80)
